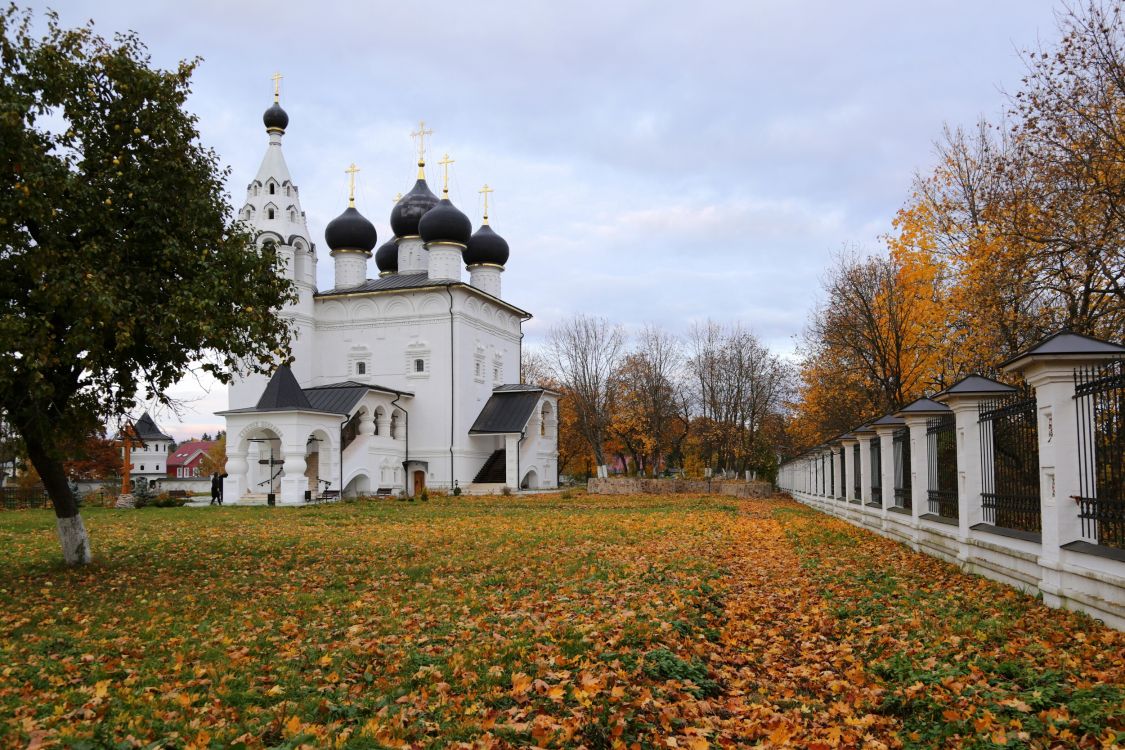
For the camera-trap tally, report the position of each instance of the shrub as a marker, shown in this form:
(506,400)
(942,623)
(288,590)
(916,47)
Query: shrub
(506,491)
(456,491)
(425,496)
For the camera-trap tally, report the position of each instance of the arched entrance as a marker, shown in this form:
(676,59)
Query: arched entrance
(530,481)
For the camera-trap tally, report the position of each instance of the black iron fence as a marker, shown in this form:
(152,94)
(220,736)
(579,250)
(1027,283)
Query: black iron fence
(876,472)
(941,449)
(901,444)
(857,473)
(1009,455)
(843,496)
(1100,393)
(16,498)
(831,473)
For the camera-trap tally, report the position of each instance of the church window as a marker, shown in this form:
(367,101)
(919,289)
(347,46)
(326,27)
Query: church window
(419,365)
(271,210)
(142,467)
(273,189)
(360,368)
(496,373)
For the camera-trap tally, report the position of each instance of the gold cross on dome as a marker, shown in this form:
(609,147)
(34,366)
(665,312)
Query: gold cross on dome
(351,183)
(485,191)
(421,136)
(445,162)
(276,85)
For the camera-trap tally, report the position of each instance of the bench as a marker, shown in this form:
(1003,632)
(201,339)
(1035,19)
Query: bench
(327,495)
(383,492)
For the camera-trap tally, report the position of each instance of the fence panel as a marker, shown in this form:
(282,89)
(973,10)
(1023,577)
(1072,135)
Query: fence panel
(941,448)
(16,498)
(876,473)
(1009,446)
(901,443)
(1100,393)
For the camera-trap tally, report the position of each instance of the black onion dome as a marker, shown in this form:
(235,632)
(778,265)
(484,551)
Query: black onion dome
(350,231)
(275,117)
(386,257)
(444,223)
(485,246)
(411,208)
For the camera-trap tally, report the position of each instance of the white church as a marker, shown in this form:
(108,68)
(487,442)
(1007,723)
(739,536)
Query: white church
(402,382)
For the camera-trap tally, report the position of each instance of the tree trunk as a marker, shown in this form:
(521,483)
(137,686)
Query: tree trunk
(72,532)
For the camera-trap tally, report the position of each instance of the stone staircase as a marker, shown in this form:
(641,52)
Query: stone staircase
(495,469)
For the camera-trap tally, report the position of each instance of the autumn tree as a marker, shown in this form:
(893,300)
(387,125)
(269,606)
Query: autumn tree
(651,415)
(215,459)
(120,261)
(736,382)
(583,354)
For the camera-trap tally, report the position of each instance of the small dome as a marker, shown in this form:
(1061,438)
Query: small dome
(350,231)
(275,118)
(386,257)
(444,223)
(411,208)
(485,246)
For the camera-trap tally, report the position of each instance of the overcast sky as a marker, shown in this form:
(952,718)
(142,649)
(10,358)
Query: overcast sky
(653,162)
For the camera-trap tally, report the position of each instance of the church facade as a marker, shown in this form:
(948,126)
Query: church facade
(402,382)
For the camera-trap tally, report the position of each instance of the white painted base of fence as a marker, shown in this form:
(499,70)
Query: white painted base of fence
(1088,583)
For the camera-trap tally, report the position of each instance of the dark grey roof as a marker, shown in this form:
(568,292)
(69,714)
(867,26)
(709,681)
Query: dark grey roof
(147,429)
(515,387)
(283,392)
(863,428)
(921,406)
(976,385)
(394,281)
(413,281)
(341,398)
(1068,345)
(506,411)
(889,420)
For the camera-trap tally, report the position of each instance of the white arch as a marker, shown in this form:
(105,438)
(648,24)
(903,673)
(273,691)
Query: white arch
(530,479)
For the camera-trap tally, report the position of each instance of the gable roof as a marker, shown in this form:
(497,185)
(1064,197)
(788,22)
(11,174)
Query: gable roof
(407,281)
(283,393)
(921,406)
(186,452)
(506,411)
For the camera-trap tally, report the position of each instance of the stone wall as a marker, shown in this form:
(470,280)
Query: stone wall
(642,486)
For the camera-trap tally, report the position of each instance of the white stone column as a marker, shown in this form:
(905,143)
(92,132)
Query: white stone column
(445,261)
(234,486)
(384,425)
(511,461)
(293,479)
(919,465)
(1053,382)
(865,465)
(969,477)
(887,465)
(366,424)
(848,456)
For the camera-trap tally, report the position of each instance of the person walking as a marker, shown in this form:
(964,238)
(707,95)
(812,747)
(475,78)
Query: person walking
(216,489)
(222,477)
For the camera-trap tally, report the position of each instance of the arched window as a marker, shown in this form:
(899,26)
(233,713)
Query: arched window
(419,365)
(273,189)
(360,368)
(271,210)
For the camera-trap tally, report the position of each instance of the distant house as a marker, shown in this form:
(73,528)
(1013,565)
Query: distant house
(185,461)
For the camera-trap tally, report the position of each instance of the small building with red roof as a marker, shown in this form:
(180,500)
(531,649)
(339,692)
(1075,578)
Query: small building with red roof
(185,461)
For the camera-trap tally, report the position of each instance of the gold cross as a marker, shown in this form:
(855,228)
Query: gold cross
(485,191)
(445,162)
(351,183)
(421,136)
(276,85)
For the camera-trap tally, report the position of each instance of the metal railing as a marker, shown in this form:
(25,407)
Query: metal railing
(941,450)
(876,471)
(856,491)
(1100,393)
(1009,450)
(901,444)
(18,498)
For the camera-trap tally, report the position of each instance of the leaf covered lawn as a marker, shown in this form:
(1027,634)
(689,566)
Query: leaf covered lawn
(534,621)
